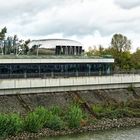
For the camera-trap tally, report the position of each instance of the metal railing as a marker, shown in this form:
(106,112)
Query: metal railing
(64,74)
(50,75)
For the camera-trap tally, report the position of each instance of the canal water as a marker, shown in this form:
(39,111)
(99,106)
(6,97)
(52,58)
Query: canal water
(115,134)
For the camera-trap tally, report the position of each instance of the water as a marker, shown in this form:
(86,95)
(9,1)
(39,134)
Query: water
(124,134)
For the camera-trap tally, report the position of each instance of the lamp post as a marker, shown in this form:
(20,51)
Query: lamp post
(37,48)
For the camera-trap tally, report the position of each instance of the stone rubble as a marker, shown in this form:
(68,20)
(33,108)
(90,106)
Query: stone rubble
(104,124)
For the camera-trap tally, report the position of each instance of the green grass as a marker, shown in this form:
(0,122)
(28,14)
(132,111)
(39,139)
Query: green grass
(74,116)
(130,109)
(10,124)
(56,119)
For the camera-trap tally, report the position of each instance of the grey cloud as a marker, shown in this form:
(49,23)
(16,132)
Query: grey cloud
(18,8)
(44,17)
(127,4)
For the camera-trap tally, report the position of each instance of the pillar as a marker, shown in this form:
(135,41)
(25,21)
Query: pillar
(75,50)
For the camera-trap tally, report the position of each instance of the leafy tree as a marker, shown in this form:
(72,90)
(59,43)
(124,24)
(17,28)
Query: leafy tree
(96,52)
(25,47)
(2,33)
(120,50)
(120,43)
(136,59)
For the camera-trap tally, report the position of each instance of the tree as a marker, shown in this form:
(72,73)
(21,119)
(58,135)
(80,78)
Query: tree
(96,52)
(2,33)
(2,37)
(23,47)
(120,49)
(136,59)
(120,43)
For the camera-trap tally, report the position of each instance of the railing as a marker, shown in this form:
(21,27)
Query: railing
(50,75)
(63,74)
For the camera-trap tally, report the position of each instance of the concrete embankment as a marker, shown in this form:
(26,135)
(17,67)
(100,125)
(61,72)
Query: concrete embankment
(24,103)
(27,102)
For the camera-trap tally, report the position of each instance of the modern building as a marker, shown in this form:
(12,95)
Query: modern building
(66,60)
(53,67)
(59,46)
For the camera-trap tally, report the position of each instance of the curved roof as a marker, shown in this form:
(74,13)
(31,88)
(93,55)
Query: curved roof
(52,43)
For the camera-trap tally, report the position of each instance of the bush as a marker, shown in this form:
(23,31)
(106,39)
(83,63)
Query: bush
(10,124)
(42,114)
(42,117)
(74,116)
(98,108)
(111,111)
(33,122)
(55,110)
(53,119)
(54,122)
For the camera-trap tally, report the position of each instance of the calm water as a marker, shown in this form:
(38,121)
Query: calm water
(124,134)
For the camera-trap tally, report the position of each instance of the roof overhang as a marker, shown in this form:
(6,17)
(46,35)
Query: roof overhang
(41,61)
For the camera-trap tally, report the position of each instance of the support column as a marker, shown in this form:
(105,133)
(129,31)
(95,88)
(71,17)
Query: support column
(68,50)
(71,50)
(80,50)
(74,50)
(61,50)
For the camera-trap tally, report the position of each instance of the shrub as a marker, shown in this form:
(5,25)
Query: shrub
(50,118)
(33,122)
(53,119)
(55,110)
(42,114)
(74,116)
(54,122)
(10,124)
(42,117)
(111,111)
(98,108)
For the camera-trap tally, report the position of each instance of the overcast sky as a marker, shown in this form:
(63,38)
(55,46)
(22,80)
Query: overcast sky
(92,22)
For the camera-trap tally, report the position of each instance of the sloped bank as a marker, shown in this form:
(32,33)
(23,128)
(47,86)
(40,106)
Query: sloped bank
(94,103)
(25,103)
(55,121)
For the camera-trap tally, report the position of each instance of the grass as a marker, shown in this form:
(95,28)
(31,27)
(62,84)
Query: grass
(129,109)
(56,119)
(10,124)
(74,116)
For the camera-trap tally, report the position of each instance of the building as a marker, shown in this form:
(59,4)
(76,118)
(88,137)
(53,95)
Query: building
(66,60)
(54,67)
(59,46)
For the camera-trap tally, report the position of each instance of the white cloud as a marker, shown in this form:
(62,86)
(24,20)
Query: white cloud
(128,4)
(92,22)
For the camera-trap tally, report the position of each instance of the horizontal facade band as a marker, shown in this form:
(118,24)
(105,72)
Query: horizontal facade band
(28,61)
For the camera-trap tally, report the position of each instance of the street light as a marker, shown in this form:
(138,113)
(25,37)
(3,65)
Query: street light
(38,48)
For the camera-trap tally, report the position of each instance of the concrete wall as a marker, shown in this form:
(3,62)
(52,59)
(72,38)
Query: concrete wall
(38,85)
(56,60)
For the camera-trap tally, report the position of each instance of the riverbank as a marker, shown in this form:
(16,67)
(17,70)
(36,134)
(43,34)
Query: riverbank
(65,113)
(54,121)
(99,125)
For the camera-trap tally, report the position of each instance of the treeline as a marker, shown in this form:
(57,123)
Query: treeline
(120,50)
(12,44)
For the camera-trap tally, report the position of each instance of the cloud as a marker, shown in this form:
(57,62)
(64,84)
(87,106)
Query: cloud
(84,20)
(128,4)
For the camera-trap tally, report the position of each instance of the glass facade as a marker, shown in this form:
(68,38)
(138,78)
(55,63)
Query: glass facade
(55,69)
